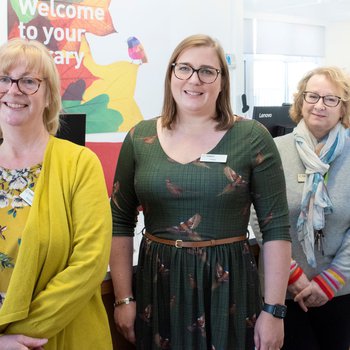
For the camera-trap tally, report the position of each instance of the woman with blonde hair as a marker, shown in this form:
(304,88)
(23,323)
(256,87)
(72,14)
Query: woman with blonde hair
(54,215)
(316,163)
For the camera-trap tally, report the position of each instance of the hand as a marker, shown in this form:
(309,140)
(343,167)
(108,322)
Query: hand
(311,296)
(301,283)
(268,332)
(21,342)
(124,318)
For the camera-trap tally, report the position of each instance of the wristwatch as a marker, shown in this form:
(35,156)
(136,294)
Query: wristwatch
(277,310)
(126,301)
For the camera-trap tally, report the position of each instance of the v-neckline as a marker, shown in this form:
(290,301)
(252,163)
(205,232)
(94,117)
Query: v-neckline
(218,144)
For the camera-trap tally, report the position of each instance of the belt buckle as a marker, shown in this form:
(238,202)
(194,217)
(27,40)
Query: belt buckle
(178,243)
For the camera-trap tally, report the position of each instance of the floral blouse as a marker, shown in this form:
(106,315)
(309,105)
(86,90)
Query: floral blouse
(14,210)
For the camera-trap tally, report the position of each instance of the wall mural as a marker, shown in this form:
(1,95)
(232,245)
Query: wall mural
(105,93)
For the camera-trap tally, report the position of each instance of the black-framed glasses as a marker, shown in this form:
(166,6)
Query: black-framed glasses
(26,85)
(328,100)
(206,75)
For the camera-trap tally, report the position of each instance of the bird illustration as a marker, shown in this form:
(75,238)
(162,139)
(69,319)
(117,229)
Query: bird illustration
(187,227)
(175,190)
(147,313)
(136,50)
(235,179)
(222,275)
(199,324)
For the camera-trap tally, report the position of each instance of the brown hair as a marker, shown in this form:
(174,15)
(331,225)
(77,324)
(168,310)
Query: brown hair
(37,57)
(339,78)
(224,115)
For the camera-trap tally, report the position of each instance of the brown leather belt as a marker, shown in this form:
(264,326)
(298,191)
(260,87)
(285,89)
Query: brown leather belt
(198,244)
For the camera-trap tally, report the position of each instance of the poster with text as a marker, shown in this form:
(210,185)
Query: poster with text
(104,92)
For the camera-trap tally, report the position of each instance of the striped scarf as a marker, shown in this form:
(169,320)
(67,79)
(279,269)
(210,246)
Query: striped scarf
(315,203)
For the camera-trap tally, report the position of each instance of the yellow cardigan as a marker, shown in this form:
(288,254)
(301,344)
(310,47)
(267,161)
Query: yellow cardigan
(54,291)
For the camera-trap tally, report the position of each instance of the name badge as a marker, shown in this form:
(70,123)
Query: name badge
(301,178)
(214,158)
(27,195)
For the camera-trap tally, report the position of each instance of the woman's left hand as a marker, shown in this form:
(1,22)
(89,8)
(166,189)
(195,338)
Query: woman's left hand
(21,342)
(311,296)
(269,332)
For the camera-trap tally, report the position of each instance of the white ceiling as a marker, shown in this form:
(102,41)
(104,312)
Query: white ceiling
(316,10)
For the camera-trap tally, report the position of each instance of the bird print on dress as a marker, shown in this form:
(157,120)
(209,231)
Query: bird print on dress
(192,281)
(187,228)
(221,276)
(162,343)
(149,139)
(235,180)
(198,325)
(250,321)
(259,158)
(116,187)
(162,269)
(174,189)
(200,164)
(200,252)
(146,314)
(268,219)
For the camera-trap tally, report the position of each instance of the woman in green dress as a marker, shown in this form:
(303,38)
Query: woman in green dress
(195,171)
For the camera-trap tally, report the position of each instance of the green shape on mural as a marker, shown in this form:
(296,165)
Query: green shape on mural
(99,118)
(22,17)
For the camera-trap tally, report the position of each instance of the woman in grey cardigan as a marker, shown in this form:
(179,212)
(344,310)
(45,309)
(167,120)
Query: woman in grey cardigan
(316,162)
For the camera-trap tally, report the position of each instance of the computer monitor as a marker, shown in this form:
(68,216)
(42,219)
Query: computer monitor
(72,128)
(275,118)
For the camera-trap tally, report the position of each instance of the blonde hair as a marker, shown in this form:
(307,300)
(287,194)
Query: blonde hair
(37,58)
(339,78)
(224,115)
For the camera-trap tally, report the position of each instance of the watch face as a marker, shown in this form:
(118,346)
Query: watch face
(280,311)
(277,310)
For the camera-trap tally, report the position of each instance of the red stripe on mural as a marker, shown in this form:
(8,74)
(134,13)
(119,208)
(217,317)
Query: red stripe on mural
(108,153)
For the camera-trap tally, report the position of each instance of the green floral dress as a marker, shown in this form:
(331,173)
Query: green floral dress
(14,211)
(199,298)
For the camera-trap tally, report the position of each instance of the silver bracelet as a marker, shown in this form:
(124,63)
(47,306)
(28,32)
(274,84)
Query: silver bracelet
(126,301)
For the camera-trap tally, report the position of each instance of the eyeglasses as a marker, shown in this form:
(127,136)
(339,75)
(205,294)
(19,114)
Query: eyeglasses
(206,75)
(26,85)
(328,100)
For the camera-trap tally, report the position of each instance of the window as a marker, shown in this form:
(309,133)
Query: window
(272,79)
(277,55)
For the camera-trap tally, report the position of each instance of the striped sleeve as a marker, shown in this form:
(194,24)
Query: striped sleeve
(330,281)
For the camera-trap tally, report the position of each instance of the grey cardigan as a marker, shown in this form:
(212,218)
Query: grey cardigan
(337,229)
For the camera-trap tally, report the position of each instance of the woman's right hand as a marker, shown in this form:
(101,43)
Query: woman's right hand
(21,342)
(300,284)
(124,318)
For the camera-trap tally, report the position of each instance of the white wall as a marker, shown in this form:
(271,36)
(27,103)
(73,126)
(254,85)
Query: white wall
(337,49)
(337,45)
(3,21)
